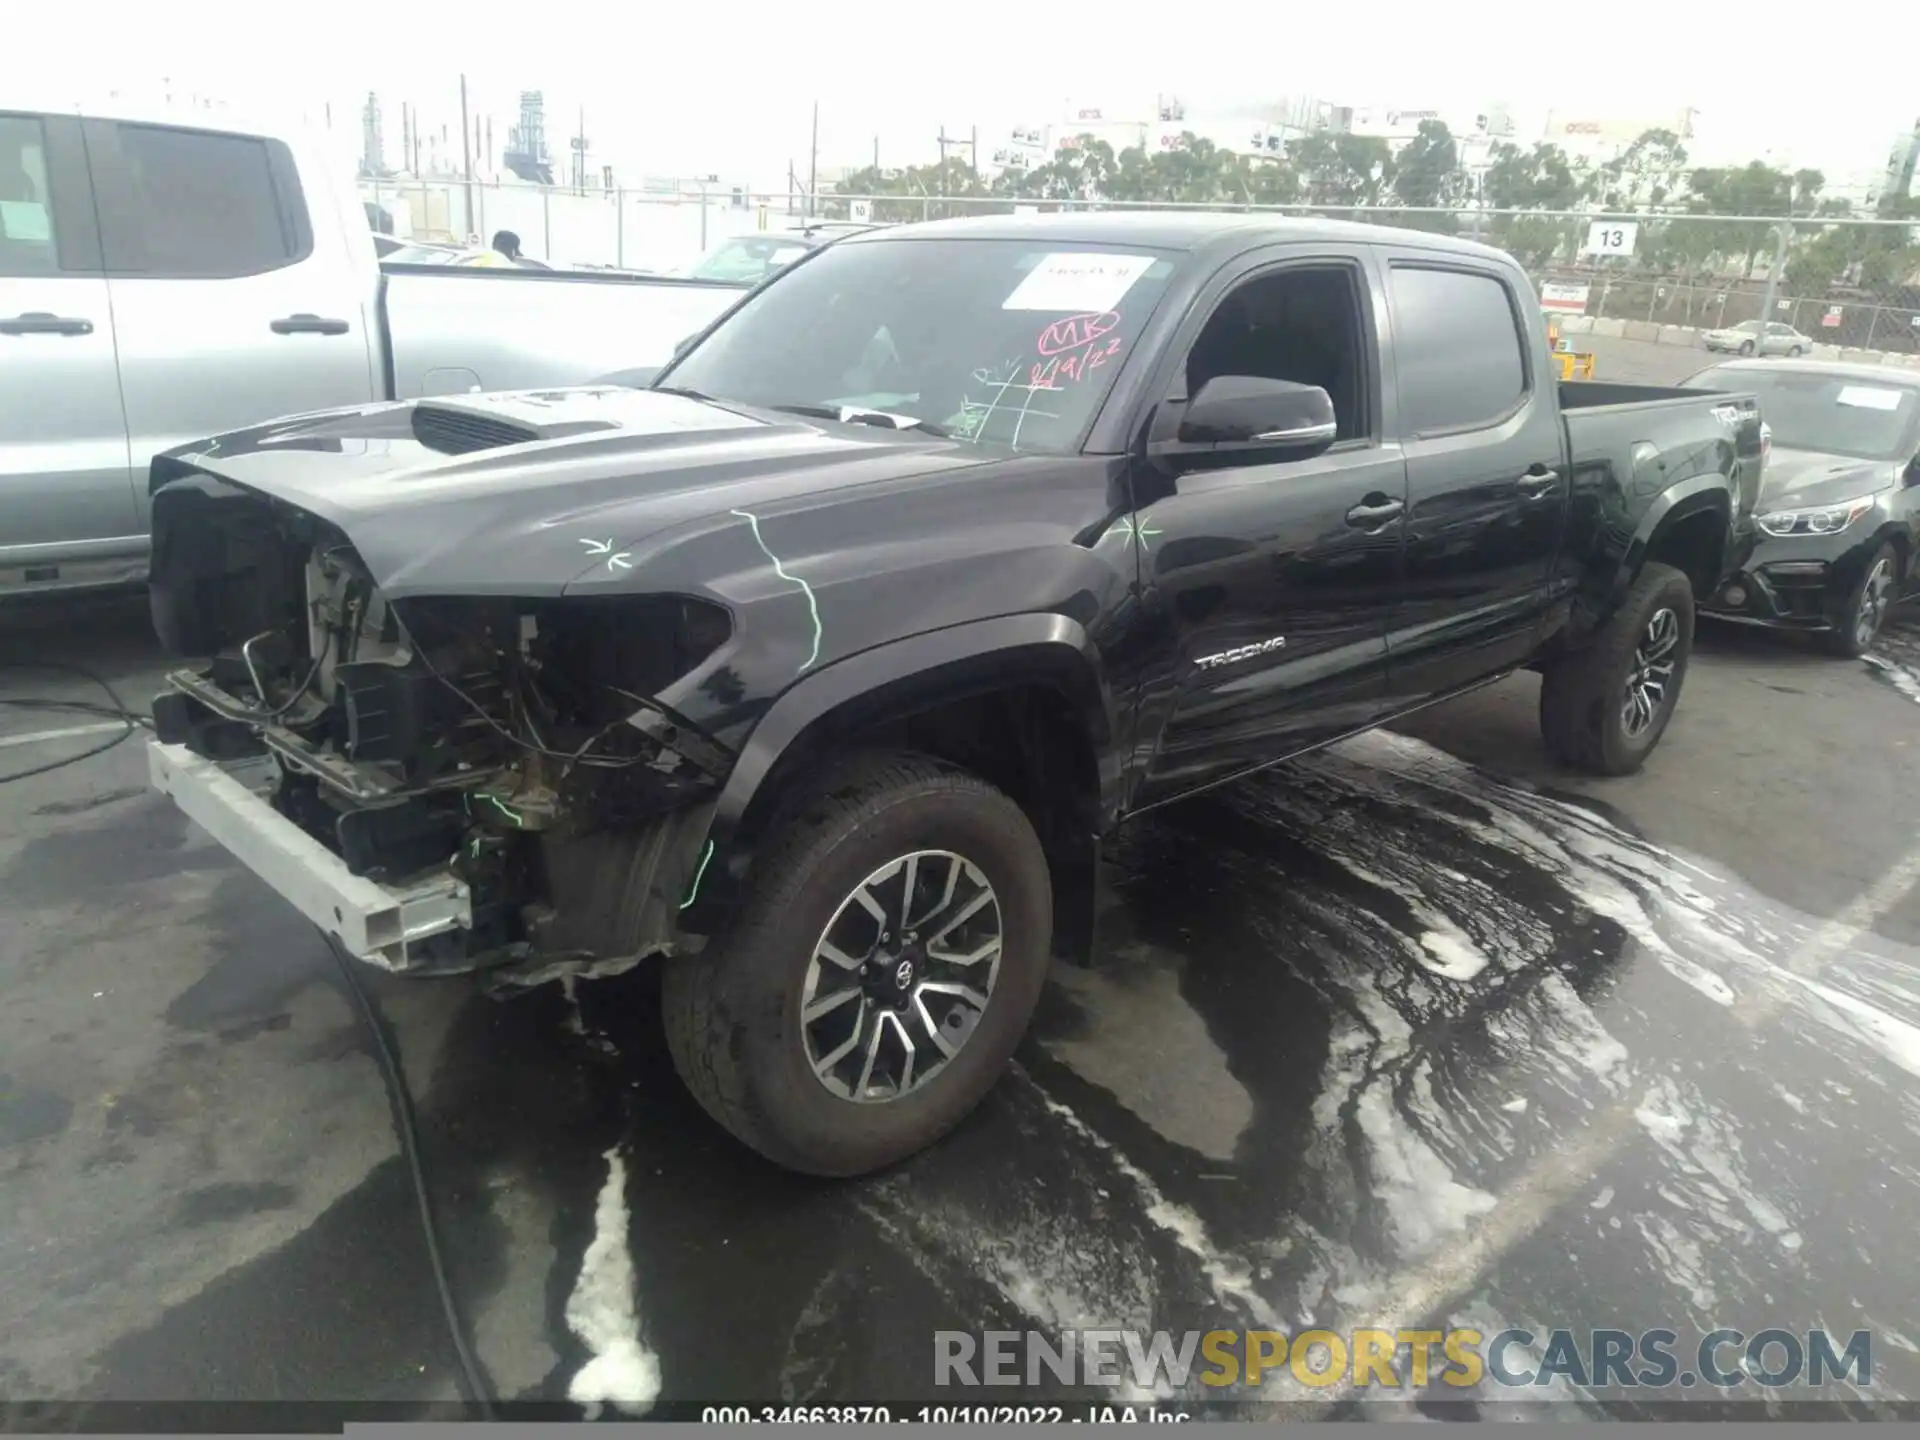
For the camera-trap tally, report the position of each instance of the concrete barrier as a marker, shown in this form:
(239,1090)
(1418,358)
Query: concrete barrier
(1826,352)
(1644,330)
(1576,324)
(1679,335)
(1853,355)
(1612,329)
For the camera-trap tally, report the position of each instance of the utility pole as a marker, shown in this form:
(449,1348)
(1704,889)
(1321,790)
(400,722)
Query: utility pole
(1780,243)
(466,146)
(876,156)
(972,144)
(813,161)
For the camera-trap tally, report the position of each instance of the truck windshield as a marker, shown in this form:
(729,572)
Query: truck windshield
(1008,343)
(1830,414)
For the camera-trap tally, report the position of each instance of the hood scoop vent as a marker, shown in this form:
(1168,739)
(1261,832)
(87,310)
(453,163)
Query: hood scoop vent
(454,430)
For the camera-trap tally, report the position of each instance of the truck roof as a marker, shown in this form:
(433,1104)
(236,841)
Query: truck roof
(1188,230)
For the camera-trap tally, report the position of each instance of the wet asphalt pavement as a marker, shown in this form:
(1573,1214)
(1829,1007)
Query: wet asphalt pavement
(1416,1030)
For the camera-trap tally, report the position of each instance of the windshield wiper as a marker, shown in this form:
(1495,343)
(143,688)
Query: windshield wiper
(854,415)
(685,392)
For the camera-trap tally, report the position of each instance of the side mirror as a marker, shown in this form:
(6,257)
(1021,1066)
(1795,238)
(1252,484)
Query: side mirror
(1911,476)
(1231,414)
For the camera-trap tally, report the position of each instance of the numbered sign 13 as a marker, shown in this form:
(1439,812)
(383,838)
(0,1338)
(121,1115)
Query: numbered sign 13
(1610,237)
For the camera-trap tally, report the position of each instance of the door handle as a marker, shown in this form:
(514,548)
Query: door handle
(1536,483)
(304,324)
(1375,511)
(39,322)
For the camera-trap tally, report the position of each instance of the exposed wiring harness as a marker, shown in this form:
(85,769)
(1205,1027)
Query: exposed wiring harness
(116,709)
(571,757)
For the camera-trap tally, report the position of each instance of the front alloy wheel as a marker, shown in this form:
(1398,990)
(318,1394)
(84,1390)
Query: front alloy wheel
(901,976)
(886,955)
(1651,674)
(1864,611)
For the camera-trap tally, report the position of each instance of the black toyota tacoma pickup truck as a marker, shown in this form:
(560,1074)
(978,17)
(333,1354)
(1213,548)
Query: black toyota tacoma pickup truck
(819,669)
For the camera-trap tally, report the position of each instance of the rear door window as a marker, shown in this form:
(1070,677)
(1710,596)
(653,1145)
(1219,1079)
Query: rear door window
(1457,349)
(196,203)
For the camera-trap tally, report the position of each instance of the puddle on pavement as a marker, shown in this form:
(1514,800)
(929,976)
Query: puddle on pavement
(1351,1019)
(1896,658)
(1354,1015)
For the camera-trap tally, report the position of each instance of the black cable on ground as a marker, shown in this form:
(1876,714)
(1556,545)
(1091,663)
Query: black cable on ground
(118,709)
(472,1383)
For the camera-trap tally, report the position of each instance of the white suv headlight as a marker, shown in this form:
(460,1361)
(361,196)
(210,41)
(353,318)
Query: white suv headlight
(1815,520)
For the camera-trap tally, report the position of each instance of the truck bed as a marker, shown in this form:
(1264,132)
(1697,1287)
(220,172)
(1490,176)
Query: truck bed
(1589,394)
(451,330)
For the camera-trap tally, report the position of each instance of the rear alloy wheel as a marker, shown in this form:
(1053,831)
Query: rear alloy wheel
(1604,707)
(1857,625)
(1652,674)
(883,967)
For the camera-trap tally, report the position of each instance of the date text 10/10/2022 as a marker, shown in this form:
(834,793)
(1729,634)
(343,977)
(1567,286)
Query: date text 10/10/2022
(941,1415)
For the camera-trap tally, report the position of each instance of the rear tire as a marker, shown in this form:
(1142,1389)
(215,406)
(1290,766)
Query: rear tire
(1856,625)
(1746,347)
(751,1021)
(1603,708)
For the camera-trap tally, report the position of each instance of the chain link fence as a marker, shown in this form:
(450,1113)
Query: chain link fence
(1843,287)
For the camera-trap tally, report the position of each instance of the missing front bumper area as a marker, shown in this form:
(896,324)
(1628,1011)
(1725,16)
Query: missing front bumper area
(404,893)
(393,926)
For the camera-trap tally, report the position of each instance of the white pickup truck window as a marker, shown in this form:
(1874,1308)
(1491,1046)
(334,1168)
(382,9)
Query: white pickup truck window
(26,218)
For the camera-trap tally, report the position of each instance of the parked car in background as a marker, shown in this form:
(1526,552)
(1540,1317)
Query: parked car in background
(423,252)
(819,670)
(1746,339)
(165,276)
(1838,521)
(750,259)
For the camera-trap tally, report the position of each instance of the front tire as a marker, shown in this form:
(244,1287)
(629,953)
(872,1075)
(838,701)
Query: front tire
(1603,708)
(1746,347)
(875,983)
(1794,352)
(1856,625)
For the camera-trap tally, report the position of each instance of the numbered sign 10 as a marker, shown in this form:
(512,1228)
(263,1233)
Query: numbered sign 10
(1610,237)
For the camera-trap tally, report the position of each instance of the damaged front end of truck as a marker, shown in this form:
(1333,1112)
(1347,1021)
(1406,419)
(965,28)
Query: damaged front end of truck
(443,783)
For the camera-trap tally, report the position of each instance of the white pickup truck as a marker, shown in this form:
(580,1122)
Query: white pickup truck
(168,275)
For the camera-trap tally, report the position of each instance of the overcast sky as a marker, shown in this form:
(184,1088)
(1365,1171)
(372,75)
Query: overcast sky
(666,92)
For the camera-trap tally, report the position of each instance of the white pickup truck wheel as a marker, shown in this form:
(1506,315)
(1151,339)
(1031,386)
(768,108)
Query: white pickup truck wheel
(885,965)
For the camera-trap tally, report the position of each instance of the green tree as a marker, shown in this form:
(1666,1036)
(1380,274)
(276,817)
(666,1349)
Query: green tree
(1646,175)
(1426,173)
(1540,178)
(1755,188)
(1343,170)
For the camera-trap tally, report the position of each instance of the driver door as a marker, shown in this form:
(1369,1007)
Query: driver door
(1267,586)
